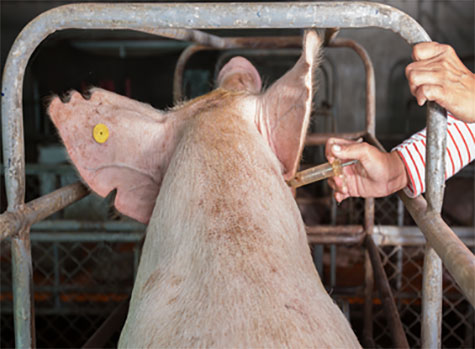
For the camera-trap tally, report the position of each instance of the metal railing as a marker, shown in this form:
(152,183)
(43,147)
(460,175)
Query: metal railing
(173,20)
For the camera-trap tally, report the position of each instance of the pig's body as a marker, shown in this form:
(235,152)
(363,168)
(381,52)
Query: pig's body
(236,271)
(225,262)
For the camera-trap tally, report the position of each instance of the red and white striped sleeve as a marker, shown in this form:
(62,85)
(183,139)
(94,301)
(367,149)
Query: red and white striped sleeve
(460,152)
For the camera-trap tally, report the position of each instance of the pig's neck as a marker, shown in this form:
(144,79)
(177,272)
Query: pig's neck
(223,202)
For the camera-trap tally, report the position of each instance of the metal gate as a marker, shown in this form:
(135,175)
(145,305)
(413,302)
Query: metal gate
(183,21)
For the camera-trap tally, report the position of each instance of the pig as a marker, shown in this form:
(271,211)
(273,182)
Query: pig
(225,261)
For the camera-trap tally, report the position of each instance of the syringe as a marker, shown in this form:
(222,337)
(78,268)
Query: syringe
(319,172)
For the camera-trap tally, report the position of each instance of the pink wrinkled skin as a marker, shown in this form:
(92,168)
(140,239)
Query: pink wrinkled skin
(225,261)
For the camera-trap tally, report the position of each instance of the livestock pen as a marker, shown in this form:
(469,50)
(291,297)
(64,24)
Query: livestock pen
(74,274)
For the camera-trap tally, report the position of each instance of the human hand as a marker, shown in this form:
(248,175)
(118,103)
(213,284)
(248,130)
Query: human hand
(437,74)
(377,174)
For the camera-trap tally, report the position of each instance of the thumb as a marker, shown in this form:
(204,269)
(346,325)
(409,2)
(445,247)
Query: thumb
(354,151)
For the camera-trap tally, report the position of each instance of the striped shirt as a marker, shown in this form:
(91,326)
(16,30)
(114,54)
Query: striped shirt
(460,152)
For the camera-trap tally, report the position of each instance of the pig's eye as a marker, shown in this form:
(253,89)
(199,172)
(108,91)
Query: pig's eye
(100,133)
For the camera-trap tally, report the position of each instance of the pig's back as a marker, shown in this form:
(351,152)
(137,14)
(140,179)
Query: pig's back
(226,261)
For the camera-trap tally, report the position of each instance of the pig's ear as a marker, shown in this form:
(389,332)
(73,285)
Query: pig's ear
(239,75)
(117,143)
(287,105)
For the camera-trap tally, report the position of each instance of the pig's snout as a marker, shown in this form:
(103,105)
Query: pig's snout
(239,74)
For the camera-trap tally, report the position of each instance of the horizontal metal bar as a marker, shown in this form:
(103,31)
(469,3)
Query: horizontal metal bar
(87,237)
(195,36)
(335,234)
(35,169)
(335,229)
(90,226)
(13,222)
(390,235)
(313,139)
(65,310)
(384,235)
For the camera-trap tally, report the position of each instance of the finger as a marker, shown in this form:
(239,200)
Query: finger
(354,151)
(430,93)
(330,143)
(340,197)
(427,50)
(337,184)
(420,77)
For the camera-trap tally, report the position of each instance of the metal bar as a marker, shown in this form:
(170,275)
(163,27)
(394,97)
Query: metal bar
(369,275)
(113,323)
(195,36)
(321,138)
(87,237)
(457,258)
(56,274)
(336,240)
(180,68)
(35,169)
(319,230)
(336,234)
(72,225)
(368,340)
(13,222)
(23,301)
(392,314)
(435,184)
(369,202)
(390,235)
(431,323)
(370,80)
(383,235)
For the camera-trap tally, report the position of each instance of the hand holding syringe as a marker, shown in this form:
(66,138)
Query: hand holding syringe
(319,172)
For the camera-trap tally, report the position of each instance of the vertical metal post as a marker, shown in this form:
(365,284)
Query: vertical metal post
(435,178)
(22,271)
(333,248)
(399,255)
(56,275)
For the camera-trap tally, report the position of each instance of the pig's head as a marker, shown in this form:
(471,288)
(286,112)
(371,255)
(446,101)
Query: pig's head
(120,144)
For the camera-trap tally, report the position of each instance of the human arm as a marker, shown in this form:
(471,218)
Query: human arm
(377,173)
(437,74)
(380,174)
(459,152)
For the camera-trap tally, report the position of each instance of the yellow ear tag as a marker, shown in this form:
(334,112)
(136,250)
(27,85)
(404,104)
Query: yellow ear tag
(100,133)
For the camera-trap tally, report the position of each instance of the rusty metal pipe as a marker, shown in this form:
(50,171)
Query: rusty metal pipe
(23,301)
(392,314)
(180,68)
(369,273)
(321,138)
(335,234)
(435,184)
(195,36)
(13,222)
(370,79)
